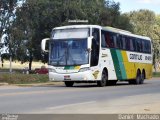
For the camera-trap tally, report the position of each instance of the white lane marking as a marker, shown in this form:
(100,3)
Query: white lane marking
(69,105)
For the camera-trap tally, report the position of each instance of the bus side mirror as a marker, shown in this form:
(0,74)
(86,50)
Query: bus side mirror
(43,44)
(90,42)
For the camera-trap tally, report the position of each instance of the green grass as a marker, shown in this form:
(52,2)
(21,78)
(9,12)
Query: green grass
(156,74)
(23,78)
(17,78)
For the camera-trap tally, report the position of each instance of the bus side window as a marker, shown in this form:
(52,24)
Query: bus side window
(146,47)
(131,44)
(113,40)
(124,43)
(134,44)
(139,45)
(108,40)
(120,42)
(127,43)
(143,46)
(149,47)
(103,38)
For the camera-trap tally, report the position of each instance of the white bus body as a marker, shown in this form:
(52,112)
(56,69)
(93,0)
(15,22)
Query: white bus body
(91,53)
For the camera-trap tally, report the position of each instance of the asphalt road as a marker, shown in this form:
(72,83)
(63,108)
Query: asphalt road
(82,98)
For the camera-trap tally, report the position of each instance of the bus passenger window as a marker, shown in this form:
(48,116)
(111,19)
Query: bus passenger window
(131,44)
(113,40)
(134,44)
(149,47)
(120,42)
(108,40)
(124,43)
(103,43)
(143,46)
(138,45)
(117,41)
(127,43)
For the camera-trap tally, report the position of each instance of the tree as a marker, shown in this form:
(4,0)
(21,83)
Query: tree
(7,16)
(146,23)
(143,21)
(156,42)
(35,19)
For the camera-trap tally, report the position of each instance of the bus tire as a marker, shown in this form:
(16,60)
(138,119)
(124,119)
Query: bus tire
(69,83)
(103,80)
(142,78)
(138,78)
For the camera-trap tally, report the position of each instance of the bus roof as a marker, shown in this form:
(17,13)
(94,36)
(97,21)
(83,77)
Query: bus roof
(107,28)
(78,26)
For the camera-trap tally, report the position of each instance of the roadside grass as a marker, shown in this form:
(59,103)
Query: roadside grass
(19,78)
(23,78)
(156,74)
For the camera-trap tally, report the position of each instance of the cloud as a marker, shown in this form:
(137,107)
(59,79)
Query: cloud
(145,1)
(151,2)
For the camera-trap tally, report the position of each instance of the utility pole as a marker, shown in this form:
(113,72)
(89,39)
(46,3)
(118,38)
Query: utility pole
(10,65)
(0,52)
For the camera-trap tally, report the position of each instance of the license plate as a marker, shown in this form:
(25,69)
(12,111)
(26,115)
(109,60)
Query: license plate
(67,77)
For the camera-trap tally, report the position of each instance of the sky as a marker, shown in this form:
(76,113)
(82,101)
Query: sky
(130,5)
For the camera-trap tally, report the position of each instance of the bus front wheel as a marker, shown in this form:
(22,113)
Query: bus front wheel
(69,83)
(103,80)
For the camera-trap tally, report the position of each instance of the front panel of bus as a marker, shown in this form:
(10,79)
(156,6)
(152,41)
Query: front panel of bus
(72,55)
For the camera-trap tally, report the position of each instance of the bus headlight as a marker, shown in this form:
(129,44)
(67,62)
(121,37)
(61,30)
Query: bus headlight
(52,70)
(84,69)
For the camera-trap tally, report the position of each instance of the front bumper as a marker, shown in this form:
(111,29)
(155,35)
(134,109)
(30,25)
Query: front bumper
(79,76)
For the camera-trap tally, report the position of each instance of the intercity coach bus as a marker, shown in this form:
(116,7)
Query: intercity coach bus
(92,53)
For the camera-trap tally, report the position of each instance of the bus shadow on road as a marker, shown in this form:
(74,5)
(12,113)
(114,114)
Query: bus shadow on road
(91,85)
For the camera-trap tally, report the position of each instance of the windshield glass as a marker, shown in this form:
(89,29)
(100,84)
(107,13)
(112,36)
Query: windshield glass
(68,52)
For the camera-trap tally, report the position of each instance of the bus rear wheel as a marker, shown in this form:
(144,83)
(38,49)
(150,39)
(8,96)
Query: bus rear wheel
(103,80)
(142,78)
(138,78)
(69,83)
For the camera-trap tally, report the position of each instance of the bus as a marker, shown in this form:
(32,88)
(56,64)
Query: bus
(92,53)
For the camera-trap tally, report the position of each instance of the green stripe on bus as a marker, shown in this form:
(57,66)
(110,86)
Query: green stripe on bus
(118,64)
(121,64)
(68,67)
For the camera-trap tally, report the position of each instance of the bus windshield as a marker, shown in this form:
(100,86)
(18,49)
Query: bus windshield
(68,52)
